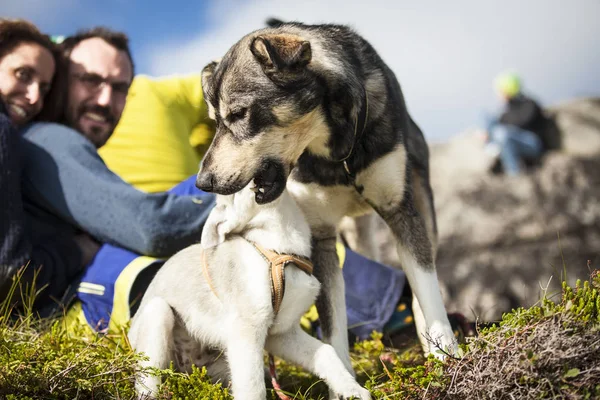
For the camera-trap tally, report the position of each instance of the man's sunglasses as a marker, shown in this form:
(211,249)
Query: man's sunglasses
(95,82)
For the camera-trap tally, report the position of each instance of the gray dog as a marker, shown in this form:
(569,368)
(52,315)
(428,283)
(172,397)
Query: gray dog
(315,109)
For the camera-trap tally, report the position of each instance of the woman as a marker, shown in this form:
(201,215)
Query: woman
(29,90)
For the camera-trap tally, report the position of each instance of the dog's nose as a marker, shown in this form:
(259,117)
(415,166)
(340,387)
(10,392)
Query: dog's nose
(204,181)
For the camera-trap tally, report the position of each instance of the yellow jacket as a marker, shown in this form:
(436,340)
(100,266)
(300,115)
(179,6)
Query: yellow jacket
(162,134)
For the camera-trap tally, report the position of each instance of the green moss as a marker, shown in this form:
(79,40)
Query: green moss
(177,386)
(549,350)
(52,365)
(546,351)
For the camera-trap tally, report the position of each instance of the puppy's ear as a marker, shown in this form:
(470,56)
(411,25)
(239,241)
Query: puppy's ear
(207,86)
(210,231)
(210,236)
(278,52)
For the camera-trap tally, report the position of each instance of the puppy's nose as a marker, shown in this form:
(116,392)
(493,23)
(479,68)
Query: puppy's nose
(205,181)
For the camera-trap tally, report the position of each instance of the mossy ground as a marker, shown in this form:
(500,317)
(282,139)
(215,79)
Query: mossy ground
(550,351)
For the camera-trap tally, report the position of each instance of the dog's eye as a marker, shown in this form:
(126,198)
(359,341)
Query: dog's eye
(237,115)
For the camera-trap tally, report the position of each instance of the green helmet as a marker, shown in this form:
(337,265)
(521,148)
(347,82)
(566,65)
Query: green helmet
(508,83)
(57,39)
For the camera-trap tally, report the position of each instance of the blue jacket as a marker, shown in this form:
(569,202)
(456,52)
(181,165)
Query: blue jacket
(68,186)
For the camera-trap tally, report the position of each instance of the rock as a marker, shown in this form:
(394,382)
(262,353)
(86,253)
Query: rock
(504,240)
(579,121)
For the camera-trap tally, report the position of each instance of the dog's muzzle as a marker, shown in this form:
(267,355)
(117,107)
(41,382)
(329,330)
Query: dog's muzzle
(270,181)
(205,182)
(208,182)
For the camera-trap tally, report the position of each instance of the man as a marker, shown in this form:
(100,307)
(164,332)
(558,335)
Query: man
(68,188)
(517,135)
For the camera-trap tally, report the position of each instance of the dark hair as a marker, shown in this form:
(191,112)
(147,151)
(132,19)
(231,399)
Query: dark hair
(118,40)
(14,32)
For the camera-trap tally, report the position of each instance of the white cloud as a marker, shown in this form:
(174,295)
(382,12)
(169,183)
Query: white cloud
(444,53)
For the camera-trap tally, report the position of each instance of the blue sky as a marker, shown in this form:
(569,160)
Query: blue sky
(445,53)
(146,22)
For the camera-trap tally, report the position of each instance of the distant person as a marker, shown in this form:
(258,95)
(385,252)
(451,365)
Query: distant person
(517,136)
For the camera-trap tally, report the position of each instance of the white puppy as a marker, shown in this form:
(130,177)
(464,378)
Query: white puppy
(217,297)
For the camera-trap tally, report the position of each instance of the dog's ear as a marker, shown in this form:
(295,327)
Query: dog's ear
(207,85)
(274,22)
(281,52)
(210,232)
(210,236)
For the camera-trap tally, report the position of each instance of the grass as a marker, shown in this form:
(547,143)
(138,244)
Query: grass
(549,351)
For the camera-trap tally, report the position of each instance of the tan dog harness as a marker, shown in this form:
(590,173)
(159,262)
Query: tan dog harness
(277,266)
(277,263)
(277,269)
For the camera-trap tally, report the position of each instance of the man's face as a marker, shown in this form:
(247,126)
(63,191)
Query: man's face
(502,96)
(99,79)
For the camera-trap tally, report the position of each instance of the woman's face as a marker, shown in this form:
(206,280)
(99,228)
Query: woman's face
(25,78)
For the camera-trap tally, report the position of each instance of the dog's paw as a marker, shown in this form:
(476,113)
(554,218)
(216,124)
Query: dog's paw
(354,392)
(441,340)
(142,393)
